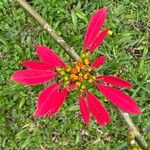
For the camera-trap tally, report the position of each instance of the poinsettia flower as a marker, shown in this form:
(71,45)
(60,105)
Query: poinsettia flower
(79,76)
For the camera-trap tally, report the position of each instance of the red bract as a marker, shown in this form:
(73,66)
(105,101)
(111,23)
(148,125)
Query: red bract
(77,76)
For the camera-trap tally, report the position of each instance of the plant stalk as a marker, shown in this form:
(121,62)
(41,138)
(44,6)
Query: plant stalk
(138,137)
(71,52)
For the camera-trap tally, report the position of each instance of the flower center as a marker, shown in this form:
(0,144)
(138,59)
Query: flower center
(78,73)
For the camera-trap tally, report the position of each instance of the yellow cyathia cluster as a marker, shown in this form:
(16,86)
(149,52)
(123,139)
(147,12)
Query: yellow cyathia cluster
(78,73)
(110,32)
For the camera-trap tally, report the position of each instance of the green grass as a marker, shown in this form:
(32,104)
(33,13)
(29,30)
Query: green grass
(128,55)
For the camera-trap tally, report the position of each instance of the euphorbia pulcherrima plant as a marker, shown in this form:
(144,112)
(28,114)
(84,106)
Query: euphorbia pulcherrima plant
(77,76)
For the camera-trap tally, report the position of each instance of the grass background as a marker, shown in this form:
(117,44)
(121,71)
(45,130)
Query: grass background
(128,53)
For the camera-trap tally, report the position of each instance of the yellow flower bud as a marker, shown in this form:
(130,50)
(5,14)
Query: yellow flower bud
(83,87)
(131,136)
(86,61)
(135,148)
(83,55)
(89,69)
(80,74)
(87,75)
(67,82)
(78,84)
(110,32)
(62,72)
(66,78)
(79,63)
(93,77)
(73,77)
(68,68)
(91,80)
(74,71)
(84,67)
(78,68)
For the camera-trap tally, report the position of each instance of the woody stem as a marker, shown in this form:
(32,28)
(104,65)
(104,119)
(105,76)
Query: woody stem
(71,52)
(138,137)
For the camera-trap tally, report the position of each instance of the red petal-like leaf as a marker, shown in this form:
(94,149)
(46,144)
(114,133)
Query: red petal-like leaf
(49,56)
(98,110)
(119,99)
(84,110)
(116,81)
(98,40)
(96,22)
(46,93)
(32,77)
(99,61)
(58,102)
(37,65)
(46,97)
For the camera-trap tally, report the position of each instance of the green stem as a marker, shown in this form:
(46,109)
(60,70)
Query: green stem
(71,52)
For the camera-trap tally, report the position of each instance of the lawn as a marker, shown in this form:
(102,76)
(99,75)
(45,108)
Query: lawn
(128,53)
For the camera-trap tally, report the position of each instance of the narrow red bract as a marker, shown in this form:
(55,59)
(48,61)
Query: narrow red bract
(84,110)
(33,77)
(36,65)
(98,62)
(58,102)
(46,99)
(95,25)
(116,81)
(77,76)
(45,94)
(98,40)
(48,56)
(98,110)
(120,99)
